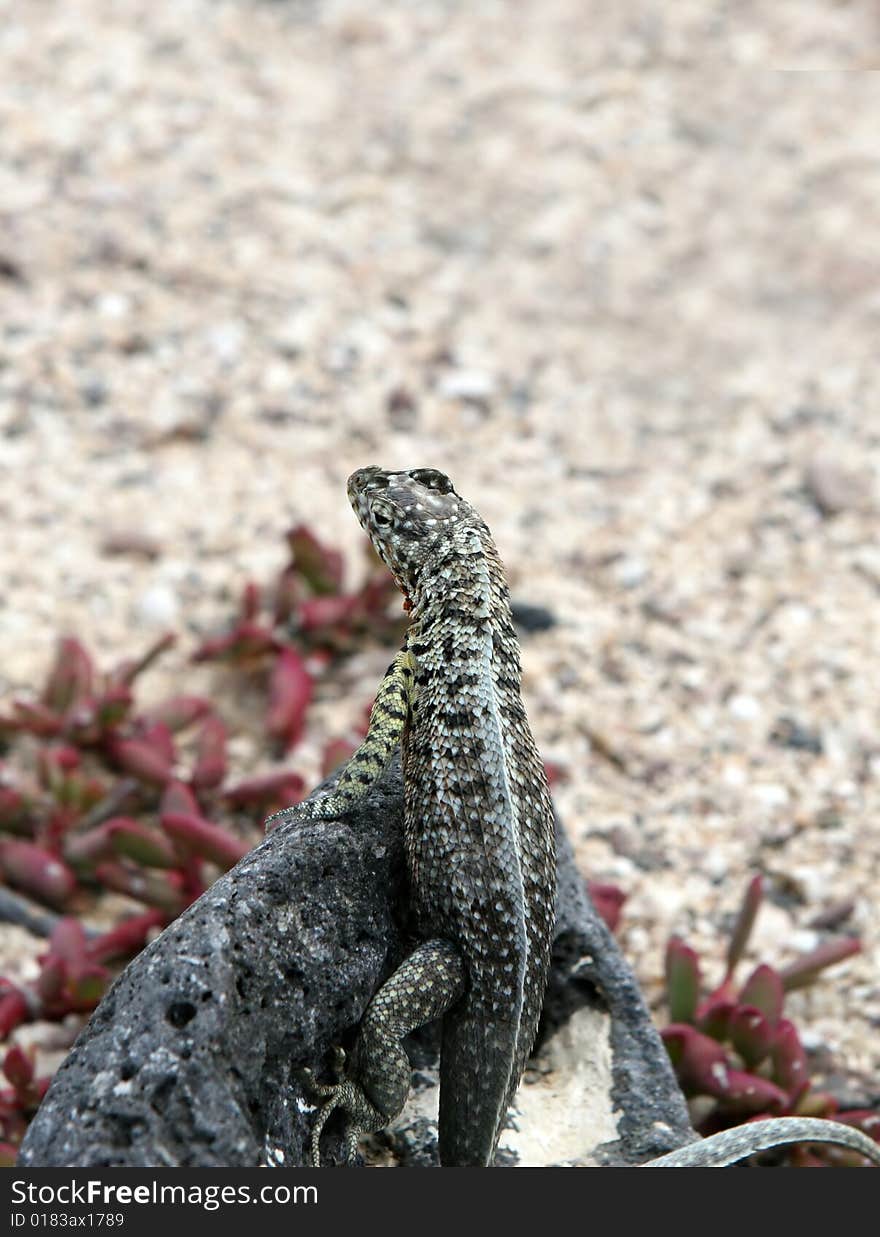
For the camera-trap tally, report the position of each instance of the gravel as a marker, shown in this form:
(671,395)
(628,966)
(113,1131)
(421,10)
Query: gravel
(247,248)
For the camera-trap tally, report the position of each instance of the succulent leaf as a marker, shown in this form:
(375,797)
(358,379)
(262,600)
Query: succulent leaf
(321,567)
(290,691)
(804,970)
(751,1034)
(682,980)
(763,989)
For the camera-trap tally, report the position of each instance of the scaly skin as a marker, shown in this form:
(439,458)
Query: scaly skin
(479,834)
(728,1146)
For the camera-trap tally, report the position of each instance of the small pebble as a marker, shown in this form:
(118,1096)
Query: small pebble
(471,385)
(834,488)
(790,733)
(770,794)
(114,305)
(744,708)
(225,340)
(811,1040)
(716,865)
(803,940)
(157,606)
(734,773)
(132,542)
(532,618)
(630,572)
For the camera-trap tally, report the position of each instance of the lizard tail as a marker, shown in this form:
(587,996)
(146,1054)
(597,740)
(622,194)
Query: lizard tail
(728,1146)
(481,1073)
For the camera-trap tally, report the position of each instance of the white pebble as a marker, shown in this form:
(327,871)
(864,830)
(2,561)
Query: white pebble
(811,1040)
(716,866)
(114,305)
(225,340)
(813,885)
(630,572)
(157,606)
(797,615)
(468,384)
(770,794)
(745,708)
(734,774)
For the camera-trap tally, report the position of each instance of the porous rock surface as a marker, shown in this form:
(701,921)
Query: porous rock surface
(192,1057)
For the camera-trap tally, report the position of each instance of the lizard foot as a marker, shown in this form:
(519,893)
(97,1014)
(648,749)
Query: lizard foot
(297,813)
(322,807)
(361,1117)
(277,819)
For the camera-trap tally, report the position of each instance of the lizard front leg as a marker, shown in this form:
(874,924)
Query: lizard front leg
(387,720)
(377,1077)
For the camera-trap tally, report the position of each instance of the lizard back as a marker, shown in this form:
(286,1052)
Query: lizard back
(479,831)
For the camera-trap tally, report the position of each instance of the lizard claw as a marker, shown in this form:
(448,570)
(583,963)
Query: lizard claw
(321,807)
(277,819)
(360,1115)
(338,1063)
(322,1090)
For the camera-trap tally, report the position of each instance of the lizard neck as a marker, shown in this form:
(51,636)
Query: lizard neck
(465,586)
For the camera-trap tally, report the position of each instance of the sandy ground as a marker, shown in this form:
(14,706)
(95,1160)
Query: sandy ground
(618,275)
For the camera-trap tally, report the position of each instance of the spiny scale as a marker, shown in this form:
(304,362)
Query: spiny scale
(479,832)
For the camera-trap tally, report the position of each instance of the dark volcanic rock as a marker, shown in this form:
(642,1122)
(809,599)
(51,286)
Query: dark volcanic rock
(192,1057)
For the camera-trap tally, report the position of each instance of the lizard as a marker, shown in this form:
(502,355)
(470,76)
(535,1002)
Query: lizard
(479,840)
(479,832)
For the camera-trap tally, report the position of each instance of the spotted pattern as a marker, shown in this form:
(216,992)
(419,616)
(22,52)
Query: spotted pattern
(479,831)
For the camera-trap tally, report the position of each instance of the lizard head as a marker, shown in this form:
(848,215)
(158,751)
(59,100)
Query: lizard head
(410,517)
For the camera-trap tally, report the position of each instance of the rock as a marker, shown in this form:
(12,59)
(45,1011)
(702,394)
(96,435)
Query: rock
(226,340)
(157,606)
(787,732)
(531,618)
(17,909)
(770,794)
(134,543)
(834,488)
(11,270)
(470,385)
(114,305)
(630,572)
(94,392)
(744,708)
(192,1058)
(402,408)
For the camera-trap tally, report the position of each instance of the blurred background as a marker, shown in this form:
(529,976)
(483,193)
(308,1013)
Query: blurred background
(616,271)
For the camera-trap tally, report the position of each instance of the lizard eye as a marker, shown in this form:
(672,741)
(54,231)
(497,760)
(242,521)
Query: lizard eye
(381,517)
(433,479)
